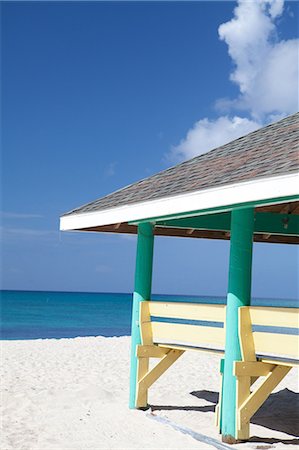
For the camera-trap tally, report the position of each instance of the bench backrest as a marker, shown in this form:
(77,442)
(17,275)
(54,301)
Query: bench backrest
(266,331)
(192,324)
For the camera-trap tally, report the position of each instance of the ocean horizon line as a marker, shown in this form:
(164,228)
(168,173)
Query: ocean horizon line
(67,314)
(153,294)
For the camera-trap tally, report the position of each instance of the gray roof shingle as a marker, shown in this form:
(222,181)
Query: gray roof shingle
(269,151)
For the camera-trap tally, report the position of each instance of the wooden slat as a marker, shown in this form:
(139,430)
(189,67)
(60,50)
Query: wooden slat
(181,232)
(191,311)
(143,363)
(219,405)
(276,344)
(190,347)
(242,393)
(279,207)
(217,416)
(274,317)
(150,351)
(252,369)
(280,362)
(142,370)
(192,334)
(245,335)
(145,324)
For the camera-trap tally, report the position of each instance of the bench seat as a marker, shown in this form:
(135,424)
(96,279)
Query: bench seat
(268,343)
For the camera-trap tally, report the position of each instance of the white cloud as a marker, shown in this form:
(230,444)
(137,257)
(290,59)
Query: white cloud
(275,88)
(15,215)
(7,233)
(276,8)
(266,71)
(208,134)
(28,232)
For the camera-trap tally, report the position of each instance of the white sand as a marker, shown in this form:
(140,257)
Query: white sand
(73,394)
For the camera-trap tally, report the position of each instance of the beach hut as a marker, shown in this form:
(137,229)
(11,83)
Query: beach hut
(244,191)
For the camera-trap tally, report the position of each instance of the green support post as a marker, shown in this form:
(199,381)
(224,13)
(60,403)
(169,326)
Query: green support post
(239,293)
(142,292)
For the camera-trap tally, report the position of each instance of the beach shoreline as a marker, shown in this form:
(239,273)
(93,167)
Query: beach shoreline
(61,394)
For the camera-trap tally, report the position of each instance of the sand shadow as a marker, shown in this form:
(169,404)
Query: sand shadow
(210,396)
(208,408)
(280,412)
(270,441)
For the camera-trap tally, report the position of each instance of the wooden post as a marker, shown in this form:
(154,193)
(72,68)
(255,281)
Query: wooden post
(239,293)
(142,292)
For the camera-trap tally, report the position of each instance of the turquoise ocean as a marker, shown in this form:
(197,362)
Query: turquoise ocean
(42,315)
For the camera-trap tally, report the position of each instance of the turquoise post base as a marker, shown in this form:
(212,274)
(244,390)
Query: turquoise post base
(142,292)
(239,293)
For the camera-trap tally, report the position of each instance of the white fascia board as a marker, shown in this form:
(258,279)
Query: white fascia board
(221,196)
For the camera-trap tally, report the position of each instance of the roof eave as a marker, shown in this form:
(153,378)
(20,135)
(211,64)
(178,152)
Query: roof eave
(257,191)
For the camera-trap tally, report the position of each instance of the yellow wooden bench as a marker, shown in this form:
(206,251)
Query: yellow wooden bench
(264,353)
(168,340)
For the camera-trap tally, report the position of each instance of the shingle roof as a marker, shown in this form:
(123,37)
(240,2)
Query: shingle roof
(269,151)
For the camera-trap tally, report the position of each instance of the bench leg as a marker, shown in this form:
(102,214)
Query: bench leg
(249,402)
(148,377)
(143,354)
(218,406)
(243,392)
(142,370)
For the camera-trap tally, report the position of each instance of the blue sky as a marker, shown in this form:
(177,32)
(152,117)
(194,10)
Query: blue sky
(98,95)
